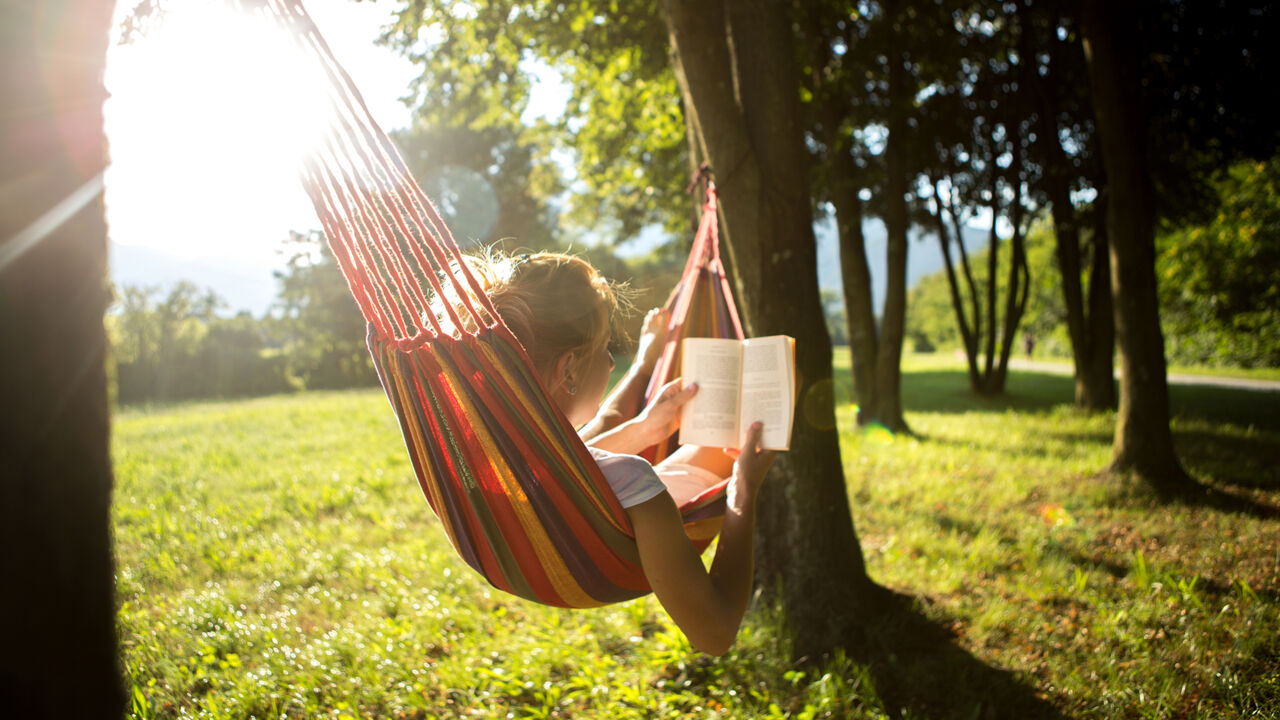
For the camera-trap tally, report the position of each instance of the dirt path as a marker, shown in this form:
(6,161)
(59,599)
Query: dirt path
(1062,368)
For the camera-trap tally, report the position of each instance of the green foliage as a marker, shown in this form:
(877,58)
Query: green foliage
(275,558)
(167,346)
(1220,292)
(323,331)
(622,131)
(1219,289)
(174,346)
(490,185)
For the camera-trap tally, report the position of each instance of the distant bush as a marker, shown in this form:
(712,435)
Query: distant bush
(172,346)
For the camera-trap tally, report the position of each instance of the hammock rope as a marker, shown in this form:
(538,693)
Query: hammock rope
(515,488)
(700,305)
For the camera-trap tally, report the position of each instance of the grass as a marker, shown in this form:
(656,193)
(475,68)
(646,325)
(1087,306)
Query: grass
(1272,374)
(276,559)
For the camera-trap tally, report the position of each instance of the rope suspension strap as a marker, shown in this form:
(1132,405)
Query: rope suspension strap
(700,305)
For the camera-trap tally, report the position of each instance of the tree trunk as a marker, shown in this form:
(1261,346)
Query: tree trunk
(746,114)
(57,613)
(1094,384)
(957,303)
(1143,442)
(993,265)
(974,299)
(1018,282)
(888,377)
(855,274)
(1098,389)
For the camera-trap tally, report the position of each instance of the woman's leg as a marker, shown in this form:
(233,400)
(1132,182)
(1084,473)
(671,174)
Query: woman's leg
(691,469)
(711,459)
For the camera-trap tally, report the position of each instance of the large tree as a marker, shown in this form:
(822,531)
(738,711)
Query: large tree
(57,612)
(1174,88)
(1143,441)
(634,135)
(735,64)
(1055,75)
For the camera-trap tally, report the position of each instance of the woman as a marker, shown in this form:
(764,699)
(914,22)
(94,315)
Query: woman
(565,314)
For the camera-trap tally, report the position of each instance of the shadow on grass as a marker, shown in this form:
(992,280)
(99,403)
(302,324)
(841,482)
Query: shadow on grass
(1227,500)
(948,391)
(1246,408)
(1246,462)
(920,671)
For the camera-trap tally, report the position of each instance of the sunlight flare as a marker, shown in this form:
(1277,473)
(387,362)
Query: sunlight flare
(210,117)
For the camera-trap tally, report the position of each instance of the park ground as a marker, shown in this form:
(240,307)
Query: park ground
(276,559)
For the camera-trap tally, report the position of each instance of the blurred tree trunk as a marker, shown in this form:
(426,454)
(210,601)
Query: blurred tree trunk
(1018,282)
(888,375)
(834,105)
(57,614)
(1091,328)
(1099,385)
(1143,442)
(745,108)
(855,274)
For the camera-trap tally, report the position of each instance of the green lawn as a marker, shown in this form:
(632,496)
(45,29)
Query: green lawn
(275,558)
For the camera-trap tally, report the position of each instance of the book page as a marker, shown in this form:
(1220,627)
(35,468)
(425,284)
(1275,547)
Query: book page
(711,417)
(768,389)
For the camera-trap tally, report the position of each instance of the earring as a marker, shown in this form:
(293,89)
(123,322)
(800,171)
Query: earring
(570,386)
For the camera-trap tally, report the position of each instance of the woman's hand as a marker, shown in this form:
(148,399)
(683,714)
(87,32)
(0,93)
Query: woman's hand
(654,424)
(653,336)
(749,469)
(707,605)
(661,417)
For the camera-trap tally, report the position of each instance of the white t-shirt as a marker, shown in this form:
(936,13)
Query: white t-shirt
(632,478)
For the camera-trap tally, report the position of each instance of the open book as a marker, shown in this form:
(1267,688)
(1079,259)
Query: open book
(739,382)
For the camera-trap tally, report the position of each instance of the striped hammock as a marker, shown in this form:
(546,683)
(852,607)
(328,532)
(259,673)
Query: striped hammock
(514,487)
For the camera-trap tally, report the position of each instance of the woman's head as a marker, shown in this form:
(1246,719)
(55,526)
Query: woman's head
(564,312)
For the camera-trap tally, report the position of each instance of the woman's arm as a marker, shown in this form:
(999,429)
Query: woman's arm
(627,398)
(707,606)
(650,427)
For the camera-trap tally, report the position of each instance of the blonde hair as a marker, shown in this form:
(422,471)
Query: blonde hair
(553,303)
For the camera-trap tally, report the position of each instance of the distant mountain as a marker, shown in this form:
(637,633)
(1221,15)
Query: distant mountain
(243,287)
(924,257)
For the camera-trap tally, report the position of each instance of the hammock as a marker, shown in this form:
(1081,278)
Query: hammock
(700,305)
(514,487)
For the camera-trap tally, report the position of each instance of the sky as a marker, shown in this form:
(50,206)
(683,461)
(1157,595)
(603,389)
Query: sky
(208,118)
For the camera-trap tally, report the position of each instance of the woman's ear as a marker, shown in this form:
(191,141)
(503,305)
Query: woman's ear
(563,374)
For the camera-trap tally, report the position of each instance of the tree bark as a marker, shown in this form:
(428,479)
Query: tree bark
(57,613)
(974,298)
(1091,329)
(957,303)
(855,274)
(746,114)
(1143,443)
(888,377)
(993,264)
(1098,390)
(1019,279)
